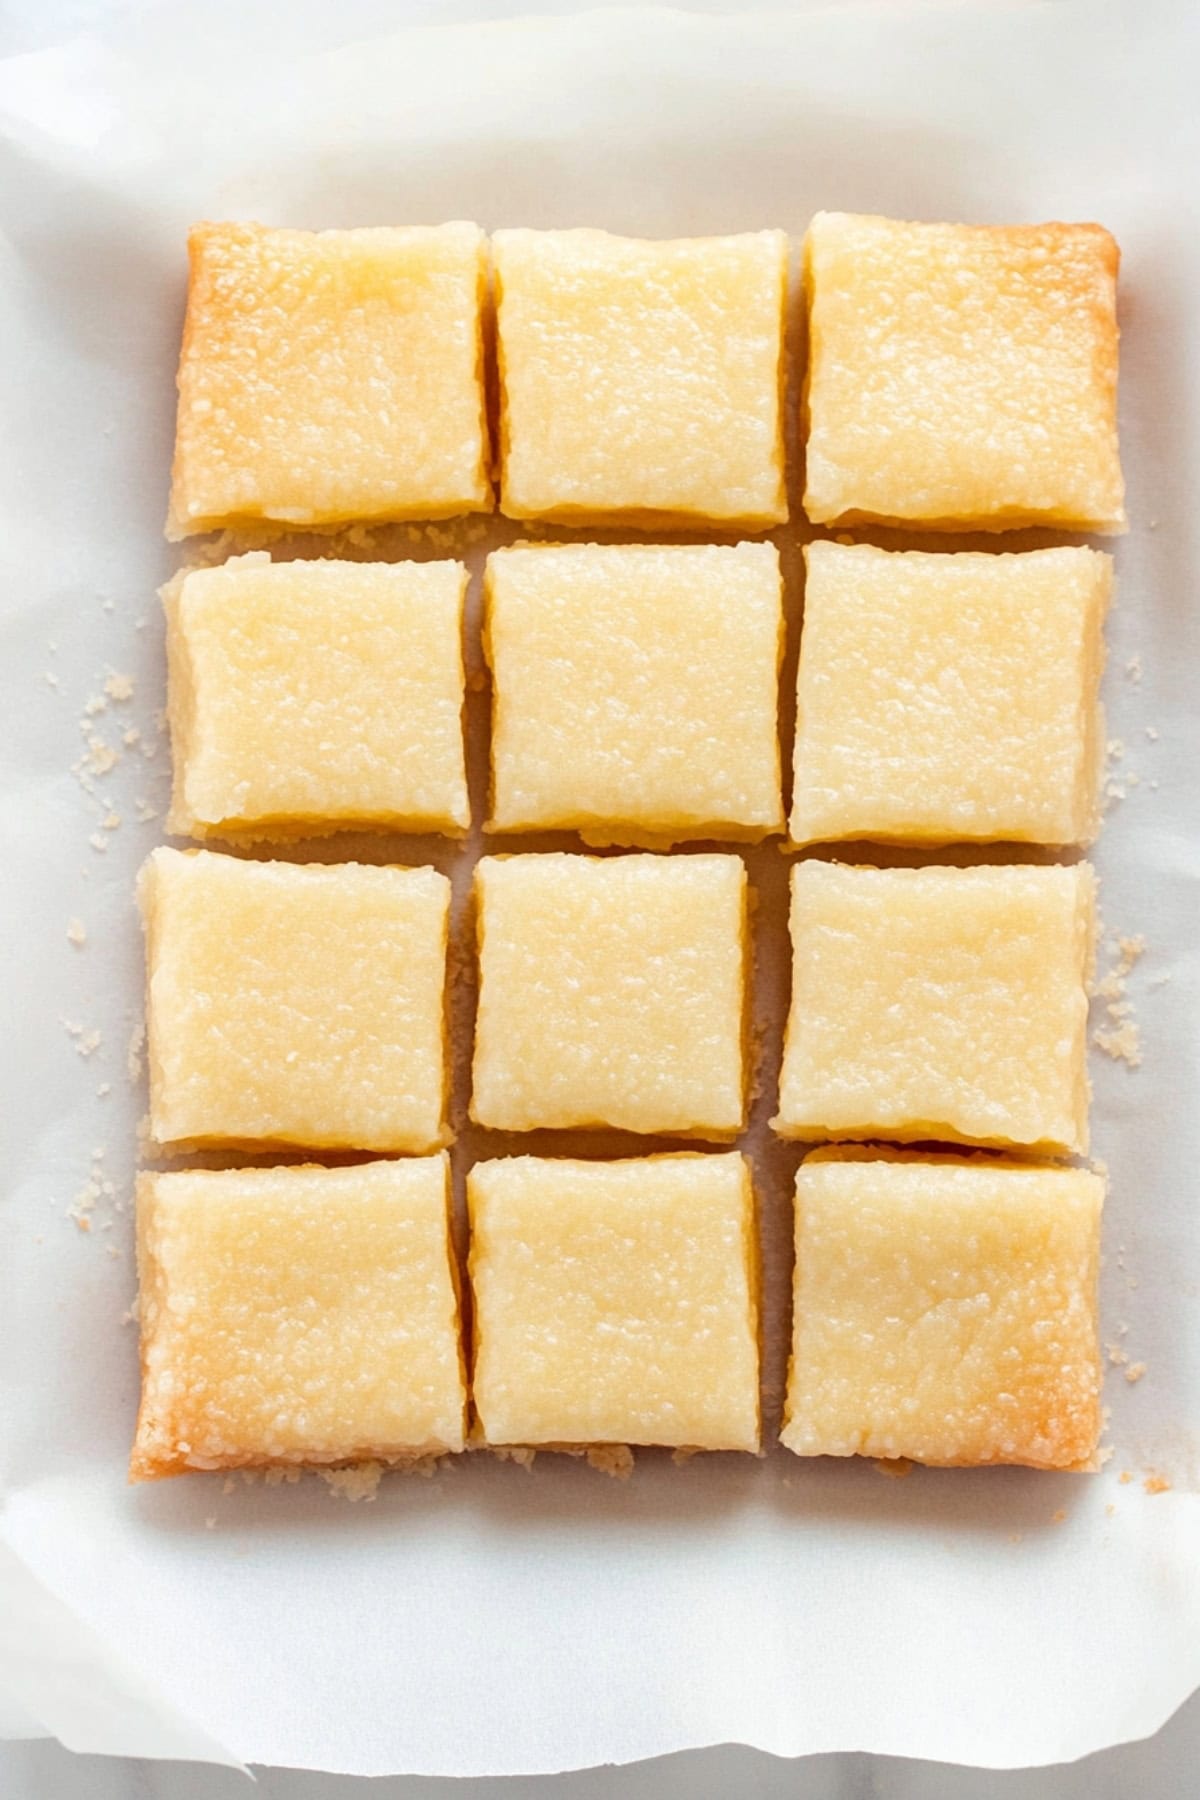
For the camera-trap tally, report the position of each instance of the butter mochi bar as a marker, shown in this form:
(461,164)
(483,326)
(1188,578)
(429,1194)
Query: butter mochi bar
(641,382)
(313,697)
(950,698)
(611,993)
(615,1302)
(940,1003)
(945,1311)
(297,1315)
(294,1004)
(961,376)
(635,690)
(330,376)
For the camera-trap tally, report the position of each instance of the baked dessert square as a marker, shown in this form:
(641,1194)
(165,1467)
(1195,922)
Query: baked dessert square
(297,1315)
(940,1003)
(615,1303)
(961,376)
(294,1004)
(945,1311)
(312,697)
(328,376)
(611,993)
(950,698)
(635,690)
(641,382)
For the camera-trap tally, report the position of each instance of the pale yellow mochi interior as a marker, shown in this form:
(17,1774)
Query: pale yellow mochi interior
(946,698)
(611,993)
(945,1310)
(961,375)
(294,1004)
(615,1303)
(939,1003)
(635,690)
(329,376)
(297,1315)
(641,381)
(312,697)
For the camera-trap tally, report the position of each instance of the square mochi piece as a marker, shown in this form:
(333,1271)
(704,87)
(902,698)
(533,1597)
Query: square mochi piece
(311,697)
(962,376)
(635,690)
(939,1003)
(330,376)
(641,381)
(297,1315)
(945,1310)
(611,993)
(294,1005)
(946,698)
(615,1303)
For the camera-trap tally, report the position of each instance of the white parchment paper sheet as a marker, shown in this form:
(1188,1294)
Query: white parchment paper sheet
(491,1621)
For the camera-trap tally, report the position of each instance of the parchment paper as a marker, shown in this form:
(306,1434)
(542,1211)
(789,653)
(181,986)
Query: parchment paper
(492,1620)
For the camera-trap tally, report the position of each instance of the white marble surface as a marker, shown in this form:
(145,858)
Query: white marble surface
(1164,1767)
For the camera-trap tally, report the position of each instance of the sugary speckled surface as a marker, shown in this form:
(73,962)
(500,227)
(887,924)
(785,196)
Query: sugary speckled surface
(945,1310)
(330,376)
(294,1004)
(939,1003)
(640,379)
(309,696)
(962,374)
(636,690)
(611,993)
(615,1302)
(944,698)
(297,1315)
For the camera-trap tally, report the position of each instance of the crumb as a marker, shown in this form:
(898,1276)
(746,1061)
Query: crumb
(76,932)
(1115,749)
(358,1482)
(1156,1484)
(1125,1477)
(1059,1517)
(611,1459)
(133,1311)
(895,1468)
(104,1090)
(89,1043)
(1133,668)
(98,841)
(51,678)
(1152,733)
(119,687)
(133,1056)
(1134,1372)
(1117,1355)
(1110,1509)
(1123,1045)
(1105,1453)
(92,706)
(523,1458)
(144,811)
(101,757)
(110,821)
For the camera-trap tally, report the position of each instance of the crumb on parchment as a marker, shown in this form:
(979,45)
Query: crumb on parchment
(76,932)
